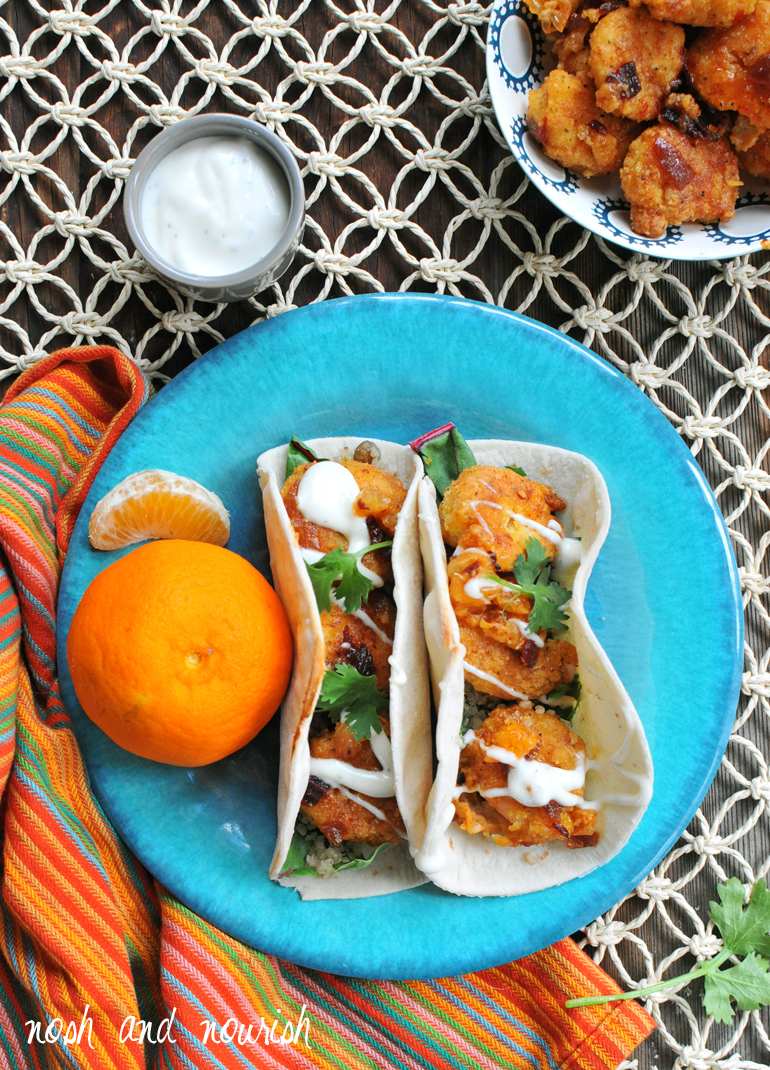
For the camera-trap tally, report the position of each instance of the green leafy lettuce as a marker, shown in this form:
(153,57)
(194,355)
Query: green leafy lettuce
(298,454)
(296,865)
(445,454)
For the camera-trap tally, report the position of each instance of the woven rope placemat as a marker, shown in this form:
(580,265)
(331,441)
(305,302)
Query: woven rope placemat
(409,187)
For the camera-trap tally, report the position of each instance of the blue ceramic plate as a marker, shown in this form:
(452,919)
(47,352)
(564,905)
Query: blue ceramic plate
(664,600)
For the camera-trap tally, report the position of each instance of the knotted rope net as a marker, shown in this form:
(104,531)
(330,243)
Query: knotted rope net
(410,187)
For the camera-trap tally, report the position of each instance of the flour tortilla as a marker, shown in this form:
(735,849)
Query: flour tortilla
(605,719)
(409,714)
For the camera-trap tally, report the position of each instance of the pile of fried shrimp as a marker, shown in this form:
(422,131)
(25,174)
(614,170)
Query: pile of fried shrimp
(673,94)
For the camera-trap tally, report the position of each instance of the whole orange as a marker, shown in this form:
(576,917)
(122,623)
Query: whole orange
(180,651)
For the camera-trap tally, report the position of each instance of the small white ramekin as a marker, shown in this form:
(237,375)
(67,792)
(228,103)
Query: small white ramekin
(250,280)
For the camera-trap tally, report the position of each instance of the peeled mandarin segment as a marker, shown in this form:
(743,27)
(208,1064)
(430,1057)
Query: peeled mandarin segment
(158,505)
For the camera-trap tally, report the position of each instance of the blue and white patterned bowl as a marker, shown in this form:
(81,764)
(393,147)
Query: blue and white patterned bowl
(515,55)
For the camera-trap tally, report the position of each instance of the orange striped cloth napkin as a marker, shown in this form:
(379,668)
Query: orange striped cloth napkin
(101,969)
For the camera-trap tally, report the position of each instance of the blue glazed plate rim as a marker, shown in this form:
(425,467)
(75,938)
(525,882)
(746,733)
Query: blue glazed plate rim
(403,314)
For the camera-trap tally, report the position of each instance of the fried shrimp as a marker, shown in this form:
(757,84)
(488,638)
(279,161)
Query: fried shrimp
(350,640)
(532,735)
(635,59)
(480,602)
(498,510)
(341,818)
(564,117)
(756,160)
(381,498)
(669,177)
(698,12)
(553,14)
(731,68)
(504,673)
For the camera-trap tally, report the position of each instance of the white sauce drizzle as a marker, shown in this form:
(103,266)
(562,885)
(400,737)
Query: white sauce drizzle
(359,613)
(397,675)
(326,495)
(310,555)
(377,783)
(474,588)
(571,553)
(541,529)
(534,783)
(492,680)
(481,520)
(563,702)
(469,550)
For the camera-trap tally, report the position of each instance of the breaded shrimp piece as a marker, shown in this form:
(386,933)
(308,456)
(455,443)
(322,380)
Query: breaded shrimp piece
(571,47)
(553,14)
(731,68)
(756,160)
(564,118)
(350,641)
(338,817)
(497,510)
(669,177)
(553,664)
(481,603)
(380,501)
(744,135)
(698,12)
(635,59)
(535,735)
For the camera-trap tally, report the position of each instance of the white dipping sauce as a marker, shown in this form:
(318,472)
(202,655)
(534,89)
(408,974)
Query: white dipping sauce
(215,206)
(326,495)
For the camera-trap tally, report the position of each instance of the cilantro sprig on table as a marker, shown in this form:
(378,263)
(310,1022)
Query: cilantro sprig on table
(533,578)
(353,587)
(746,935)
(346,693)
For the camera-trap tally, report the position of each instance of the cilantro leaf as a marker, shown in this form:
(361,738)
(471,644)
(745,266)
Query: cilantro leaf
(528,566)
(547,612)
(445,454)
(745,931)
(515,468)
(742,930)
(532,574)
(353,587)
(298,454)
(345,691)
(748,984)
(571,690)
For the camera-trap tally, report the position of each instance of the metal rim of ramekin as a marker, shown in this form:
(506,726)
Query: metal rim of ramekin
(173,137)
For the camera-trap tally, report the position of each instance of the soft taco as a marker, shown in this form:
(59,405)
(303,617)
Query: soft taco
(356,753)
(543,767)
